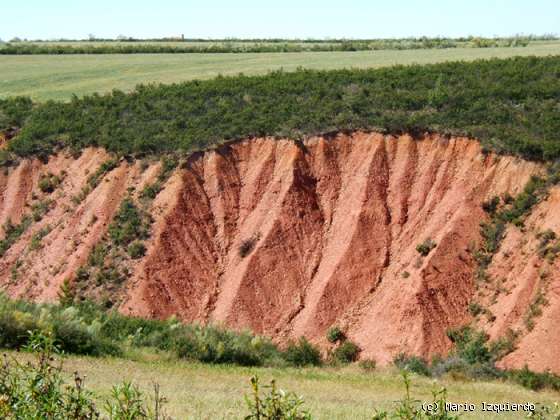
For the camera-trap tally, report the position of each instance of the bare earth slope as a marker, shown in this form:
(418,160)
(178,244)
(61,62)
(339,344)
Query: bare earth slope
(329,229)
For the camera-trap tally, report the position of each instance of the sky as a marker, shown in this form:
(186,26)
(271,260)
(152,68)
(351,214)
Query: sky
(76,19)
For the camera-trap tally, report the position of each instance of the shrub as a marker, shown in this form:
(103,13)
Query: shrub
(48,183)
(276,404)
(247,245)
(302,353)
(136,250)
(36,390)
(39,209)
(470,345)
(367,365)
(426,247)
(127,224)
(335,334)
(97,255)
(13,232)
(37,238)
(409,408)
(217,345)
(491,205)
(533,380)
(347,352)
(412,364)
(475,309)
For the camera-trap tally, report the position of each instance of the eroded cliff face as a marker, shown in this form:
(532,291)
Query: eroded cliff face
(289,238)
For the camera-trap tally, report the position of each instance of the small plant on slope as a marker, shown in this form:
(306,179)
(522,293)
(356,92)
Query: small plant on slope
(426,247)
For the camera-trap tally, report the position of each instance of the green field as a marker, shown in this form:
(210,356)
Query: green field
(201,391)
(58,77)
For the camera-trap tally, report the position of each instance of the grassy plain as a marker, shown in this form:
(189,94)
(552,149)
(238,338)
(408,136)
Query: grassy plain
(199,391)
(45,77)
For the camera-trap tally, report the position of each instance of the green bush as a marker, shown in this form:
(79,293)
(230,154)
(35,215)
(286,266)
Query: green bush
(425,247)
(412,364)
(128,224)
(216,345)
(302,353)
(48,183)
(13,232)
(276,404)
(347,352)
(408,408)
(533,380)
(470,345)
(491,205)
(36,390)
(335,334)
(136,250)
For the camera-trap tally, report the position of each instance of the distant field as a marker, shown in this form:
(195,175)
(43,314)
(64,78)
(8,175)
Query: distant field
(58,77)
(197,391)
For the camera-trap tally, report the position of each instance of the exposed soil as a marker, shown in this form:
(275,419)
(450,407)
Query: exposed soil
(289,239)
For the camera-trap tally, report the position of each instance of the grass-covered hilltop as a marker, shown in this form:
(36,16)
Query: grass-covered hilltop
(511,105)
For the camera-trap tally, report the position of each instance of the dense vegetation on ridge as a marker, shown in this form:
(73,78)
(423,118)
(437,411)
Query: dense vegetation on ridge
(511,105)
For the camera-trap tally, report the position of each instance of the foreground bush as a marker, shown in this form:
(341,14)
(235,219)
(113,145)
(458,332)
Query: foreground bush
(36,390)
(275,405)
(410,409)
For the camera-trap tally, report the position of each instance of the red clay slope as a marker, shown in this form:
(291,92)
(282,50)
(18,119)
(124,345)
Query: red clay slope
(333,223)
(337,223)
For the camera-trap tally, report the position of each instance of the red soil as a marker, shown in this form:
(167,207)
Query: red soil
(334,225)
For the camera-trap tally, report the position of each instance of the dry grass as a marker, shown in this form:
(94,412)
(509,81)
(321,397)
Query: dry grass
(198,391)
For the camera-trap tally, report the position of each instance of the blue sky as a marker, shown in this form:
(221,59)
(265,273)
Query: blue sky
(287,18)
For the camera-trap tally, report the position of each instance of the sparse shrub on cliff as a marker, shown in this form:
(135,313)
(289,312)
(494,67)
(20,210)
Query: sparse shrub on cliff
(136,250)
(37,238)
(128,224)
(48,183)
(475,309)
(490,206)
(168,164)
(535,309)
(13,232)
(107,166)
(548,246)
(335,334)
(247,245)
(426,247)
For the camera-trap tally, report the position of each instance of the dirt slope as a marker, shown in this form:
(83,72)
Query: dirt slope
(290,238)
